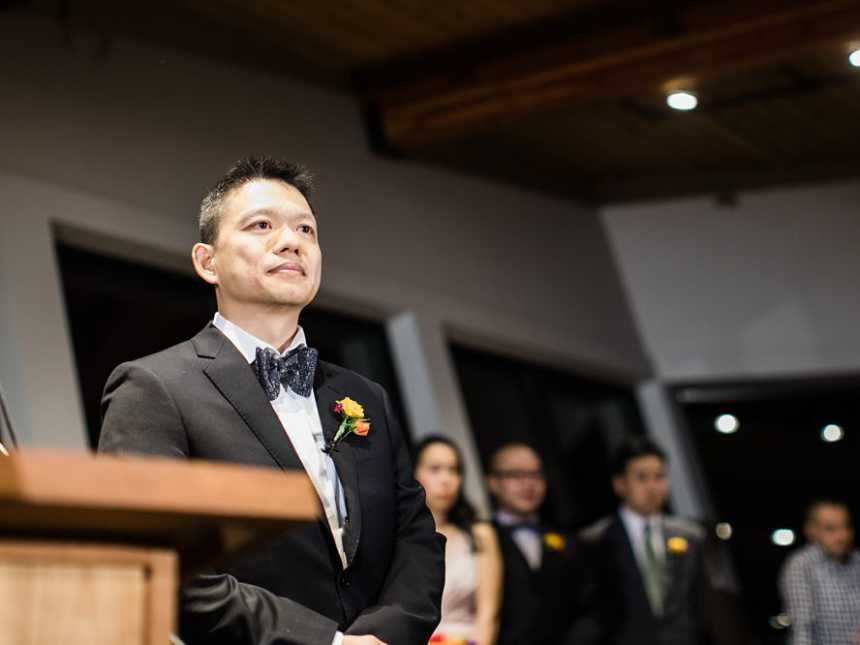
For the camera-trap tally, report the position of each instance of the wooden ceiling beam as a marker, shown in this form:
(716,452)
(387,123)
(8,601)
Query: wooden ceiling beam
(710,40)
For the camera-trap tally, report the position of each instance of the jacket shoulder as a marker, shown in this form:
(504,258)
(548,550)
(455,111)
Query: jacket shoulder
(687,528)
(166,360)
(595,533)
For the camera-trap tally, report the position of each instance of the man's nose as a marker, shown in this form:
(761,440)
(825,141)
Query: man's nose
(286,240)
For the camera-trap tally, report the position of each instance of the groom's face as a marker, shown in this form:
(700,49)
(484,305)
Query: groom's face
(267,250)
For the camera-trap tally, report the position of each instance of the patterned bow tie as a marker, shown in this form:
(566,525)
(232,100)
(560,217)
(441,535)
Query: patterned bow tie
(294,371)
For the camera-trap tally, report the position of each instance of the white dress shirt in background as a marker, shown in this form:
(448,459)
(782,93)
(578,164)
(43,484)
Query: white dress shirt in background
(635,526)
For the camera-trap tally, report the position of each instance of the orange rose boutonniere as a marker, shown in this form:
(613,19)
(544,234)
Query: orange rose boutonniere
(441,639)
(352,421)
(554,541)
(677,545)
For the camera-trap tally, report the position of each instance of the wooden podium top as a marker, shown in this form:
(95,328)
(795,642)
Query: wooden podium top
(204,510)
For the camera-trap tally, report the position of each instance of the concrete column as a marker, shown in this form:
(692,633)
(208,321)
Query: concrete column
(432,393)
(36,366)
(663,419)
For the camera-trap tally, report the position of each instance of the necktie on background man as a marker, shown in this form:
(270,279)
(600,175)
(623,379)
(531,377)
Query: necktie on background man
(654,574)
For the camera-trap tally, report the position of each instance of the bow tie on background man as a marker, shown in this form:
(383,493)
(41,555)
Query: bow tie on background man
(294,371)
(532,526)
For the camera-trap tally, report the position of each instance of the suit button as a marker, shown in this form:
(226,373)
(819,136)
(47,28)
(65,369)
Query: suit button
(344,579)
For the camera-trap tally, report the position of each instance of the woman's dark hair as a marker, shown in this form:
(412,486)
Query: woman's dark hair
(461,514)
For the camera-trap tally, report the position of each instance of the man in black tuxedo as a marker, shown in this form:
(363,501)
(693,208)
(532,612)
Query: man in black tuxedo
(543,572)
(248,390)
(647,568)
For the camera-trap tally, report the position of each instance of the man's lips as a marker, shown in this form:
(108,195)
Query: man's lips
(287,267)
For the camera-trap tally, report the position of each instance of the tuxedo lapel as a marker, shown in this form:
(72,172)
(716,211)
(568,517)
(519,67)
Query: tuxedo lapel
(232,375)
(676,572)
(327,392)
(627,559)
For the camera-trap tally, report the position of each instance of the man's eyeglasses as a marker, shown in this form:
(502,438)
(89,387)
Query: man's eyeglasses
(520,475)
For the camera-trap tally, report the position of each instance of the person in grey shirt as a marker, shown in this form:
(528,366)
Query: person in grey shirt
(820,583)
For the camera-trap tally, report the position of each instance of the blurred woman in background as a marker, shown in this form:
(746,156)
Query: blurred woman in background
(473,565)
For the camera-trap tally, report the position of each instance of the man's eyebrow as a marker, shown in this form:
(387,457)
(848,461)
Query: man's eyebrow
(253,213)
(264,210)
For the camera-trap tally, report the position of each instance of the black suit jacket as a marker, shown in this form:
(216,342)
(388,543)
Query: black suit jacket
(539,606)
(620,608)
(201,400)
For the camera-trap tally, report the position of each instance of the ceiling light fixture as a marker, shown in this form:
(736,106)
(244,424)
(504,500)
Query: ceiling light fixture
(727,424)
(782,537)
(683,101)
(832,433)
(854,58)
(724,531)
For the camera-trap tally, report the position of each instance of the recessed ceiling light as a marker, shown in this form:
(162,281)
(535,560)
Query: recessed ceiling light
(724,530)
(832,432)
(682,101)
(854,58)
(727,423)
(782,537)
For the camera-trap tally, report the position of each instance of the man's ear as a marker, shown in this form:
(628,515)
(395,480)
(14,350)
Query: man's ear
(492,484)
(203,257)
(618,485)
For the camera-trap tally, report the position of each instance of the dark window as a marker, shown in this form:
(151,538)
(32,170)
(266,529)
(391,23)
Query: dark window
(119,311)
(571,420)
(762,476)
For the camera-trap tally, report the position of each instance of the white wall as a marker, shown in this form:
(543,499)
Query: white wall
(768,287)
(123,146)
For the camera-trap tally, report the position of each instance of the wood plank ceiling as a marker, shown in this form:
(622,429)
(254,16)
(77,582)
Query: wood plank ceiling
(565,96)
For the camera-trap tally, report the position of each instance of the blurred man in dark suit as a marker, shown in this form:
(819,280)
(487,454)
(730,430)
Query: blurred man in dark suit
(648,568)
(543,570)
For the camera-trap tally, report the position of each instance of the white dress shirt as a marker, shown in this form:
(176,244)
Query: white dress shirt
(635,526)
(300,419)
(527,539)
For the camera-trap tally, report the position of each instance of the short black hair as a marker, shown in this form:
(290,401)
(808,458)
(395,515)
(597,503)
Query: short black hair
(818,502)
(507,446)
(243,171)
(634,447)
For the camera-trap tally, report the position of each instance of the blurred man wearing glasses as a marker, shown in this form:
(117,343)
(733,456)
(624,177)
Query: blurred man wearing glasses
(544,580)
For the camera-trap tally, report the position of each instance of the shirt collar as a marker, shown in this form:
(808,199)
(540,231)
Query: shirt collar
(506,518)
(822,556)
(247,344)
(635,522)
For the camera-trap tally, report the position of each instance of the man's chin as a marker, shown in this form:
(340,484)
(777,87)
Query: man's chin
(290,300)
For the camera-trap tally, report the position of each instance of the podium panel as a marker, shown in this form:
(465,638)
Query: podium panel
(85,595)
(93,548)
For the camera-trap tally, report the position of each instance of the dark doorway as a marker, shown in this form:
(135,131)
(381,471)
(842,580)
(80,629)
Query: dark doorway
(119,310)
(572,421)
(762,474)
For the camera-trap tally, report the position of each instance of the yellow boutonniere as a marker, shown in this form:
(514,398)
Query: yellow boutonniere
(554,541)
(677,545)
(353,421)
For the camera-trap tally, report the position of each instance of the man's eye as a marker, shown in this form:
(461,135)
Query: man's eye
(307,229)
(261,225)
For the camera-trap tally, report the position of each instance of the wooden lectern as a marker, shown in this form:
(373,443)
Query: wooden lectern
(92,548)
